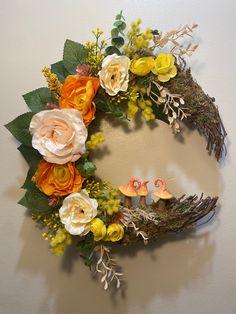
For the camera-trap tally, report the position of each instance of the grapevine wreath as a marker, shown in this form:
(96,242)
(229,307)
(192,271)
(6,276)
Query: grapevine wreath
(133,72)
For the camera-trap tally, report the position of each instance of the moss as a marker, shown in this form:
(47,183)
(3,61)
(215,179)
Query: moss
(178,215)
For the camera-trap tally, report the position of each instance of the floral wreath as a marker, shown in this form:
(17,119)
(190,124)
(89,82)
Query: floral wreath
(138,72)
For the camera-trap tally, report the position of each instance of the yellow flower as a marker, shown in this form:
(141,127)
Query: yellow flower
(59,242)
(164,67)
(142,66)
(115,232)
(95,139)
(98,229)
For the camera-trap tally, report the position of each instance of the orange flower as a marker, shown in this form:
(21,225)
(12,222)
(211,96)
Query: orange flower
(57,180)
(78,92)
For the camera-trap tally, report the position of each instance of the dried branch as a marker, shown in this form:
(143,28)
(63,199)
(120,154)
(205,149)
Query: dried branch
(179,214)
(204,114)
(107,267)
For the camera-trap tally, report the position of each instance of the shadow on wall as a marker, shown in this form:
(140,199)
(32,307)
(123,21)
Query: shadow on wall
(163,268)
(150,150)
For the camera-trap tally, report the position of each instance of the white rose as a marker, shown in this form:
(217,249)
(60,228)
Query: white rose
(114,75)
(59,135)
(77,211)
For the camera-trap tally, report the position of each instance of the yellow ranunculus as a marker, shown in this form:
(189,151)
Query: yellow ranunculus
(142,66)
(115,232)
(98,229)
(164,67)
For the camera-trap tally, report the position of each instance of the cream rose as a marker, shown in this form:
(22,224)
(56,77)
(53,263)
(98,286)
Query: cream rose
(114,75)
(59,135)
(77,211)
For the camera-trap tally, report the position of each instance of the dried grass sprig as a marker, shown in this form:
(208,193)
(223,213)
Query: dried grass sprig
(132,215)
(173,37)
(173,104)
(107,267)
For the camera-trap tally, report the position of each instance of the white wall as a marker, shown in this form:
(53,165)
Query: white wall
(180,274)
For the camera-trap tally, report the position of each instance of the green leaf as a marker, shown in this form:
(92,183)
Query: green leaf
(104,105)
(60,70)
(120,25)
(35,200)
(74,54)
(86,167)
(118,17)
(111,49)
(37,99)
(28,184)
(19,128)
(160,115)
(31,155)
(86,247)
(114,32)
(117,41)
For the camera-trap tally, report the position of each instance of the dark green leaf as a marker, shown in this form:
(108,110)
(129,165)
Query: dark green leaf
(118,17)
(86,167)
(160,115)
(111,49)
(120,24)
(74,54)
(118,41)
(144,81)
(104,105)
(31,155)
(19,128)
(86,247)
(35,200)
(37,99)
(28,184)
(114,32)
(60,70)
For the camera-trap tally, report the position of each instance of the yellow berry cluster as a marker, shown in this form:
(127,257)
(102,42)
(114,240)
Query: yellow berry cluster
(53,83)
(105,194)
(93,187)
(145,105)
(94,141)
(51,221)
(95,55)
(130,97)
(59,242)
(108,201)
(137,40)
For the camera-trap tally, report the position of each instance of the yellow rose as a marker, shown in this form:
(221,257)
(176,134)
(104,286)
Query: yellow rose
(115,232)
(142,66)
(164,67)
(98,229)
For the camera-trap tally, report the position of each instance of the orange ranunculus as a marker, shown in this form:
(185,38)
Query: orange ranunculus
(57,180)
(78,92)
